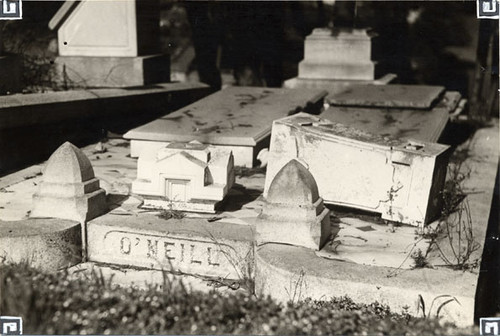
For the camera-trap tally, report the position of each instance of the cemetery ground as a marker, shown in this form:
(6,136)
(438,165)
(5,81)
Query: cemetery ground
(96,296)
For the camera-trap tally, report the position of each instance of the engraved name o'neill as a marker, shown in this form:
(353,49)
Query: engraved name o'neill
(172,250)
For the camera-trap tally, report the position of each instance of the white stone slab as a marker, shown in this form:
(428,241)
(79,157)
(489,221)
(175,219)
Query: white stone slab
(401,179)
(236,116)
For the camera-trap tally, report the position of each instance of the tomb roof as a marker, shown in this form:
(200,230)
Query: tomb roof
(293,185)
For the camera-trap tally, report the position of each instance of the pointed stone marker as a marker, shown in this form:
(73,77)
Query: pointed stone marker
(294,213)
(69,189)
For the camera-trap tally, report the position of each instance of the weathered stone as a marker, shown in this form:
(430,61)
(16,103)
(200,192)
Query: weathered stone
(184,176)
(294,213)
(47,244)
(401,179)
(345,54)
(87,71)
(109,43)
(237,118)
(69,189)
(402,96)
(192,246)
(423,124)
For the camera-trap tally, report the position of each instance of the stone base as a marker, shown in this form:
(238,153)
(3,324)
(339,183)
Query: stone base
(342,71)
(46,244)
(188,245)
(11,70)
(204,206)
(80,209)
(296,273)
(334,86)
(88,71)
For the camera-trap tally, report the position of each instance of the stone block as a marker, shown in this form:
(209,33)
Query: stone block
(69,189)
(11,70)
(184,176)
(294,213)
(234,117)
(401,179)
(189,246)
(46,244)
(347,71)
(91,71)
(340,45)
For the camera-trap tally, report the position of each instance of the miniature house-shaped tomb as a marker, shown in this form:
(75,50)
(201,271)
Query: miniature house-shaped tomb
(184,176)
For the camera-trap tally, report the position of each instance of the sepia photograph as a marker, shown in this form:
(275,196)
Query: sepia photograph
(206,167)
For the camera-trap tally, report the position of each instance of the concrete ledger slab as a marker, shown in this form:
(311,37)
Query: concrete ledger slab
(188,245)
(234,117)
(47,244)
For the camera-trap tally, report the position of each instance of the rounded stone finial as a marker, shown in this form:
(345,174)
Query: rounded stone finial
(293,185)
(68,164)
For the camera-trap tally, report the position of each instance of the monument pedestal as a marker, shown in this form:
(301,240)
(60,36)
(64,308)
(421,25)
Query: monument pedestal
(10,68)
(96,71)
(335,59)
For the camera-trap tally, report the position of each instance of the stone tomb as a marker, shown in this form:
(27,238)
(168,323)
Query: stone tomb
(400,179)
(237,118)
(184,176)
(294,213)
(69,189)
(110,43)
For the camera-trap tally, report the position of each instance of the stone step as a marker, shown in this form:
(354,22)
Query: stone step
(349,71)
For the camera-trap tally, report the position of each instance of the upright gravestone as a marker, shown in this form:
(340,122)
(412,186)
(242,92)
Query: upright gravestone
(110,43)
(69,189)
(294,213)
(336,58)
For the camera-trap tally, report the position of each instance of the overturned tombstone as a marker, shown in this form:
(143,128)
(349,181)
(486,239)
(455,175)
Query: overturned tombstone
(69,189)
(400,179)
(294,213)
(184,176)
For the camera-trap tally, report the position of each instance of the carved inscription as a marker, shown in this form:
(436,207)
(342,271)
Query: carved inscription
(170,252)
